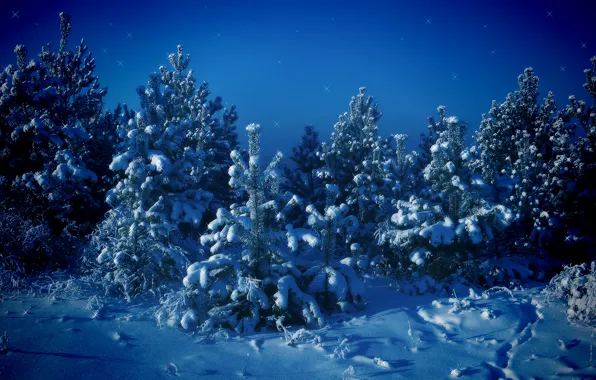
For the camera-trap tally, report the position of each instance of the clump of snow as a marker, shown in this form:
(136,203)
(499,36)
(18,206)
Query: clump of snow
(189,320)
(419,255)
(441,233)
(160,162)
(456,372)
(487,314)
(381,363)
(450,166)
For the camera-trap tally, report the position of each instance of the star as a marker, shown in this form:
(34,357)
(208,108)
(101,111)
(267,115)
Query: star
(326,89)
(279,62)
(549,14)
(584,45)
(562,68)
(120,63)
(401,38)
(218,34)
(128,35)
(332,18)
(493,51)
(428,21)
(454,76)
(3,68)
(15,14)
(296,30)
(105,50)
(568,238)
(276,125)
(485,26)
(110,24)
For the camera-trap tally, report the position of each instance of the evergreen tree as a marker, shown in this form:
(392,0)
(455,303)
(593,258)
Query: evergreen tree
(303,181)
(160,197)
(46,107)
(257,270)
(50,112)
(446,172)
(353,141)
(579,208)
(526,155)
(185,100)
(449,219)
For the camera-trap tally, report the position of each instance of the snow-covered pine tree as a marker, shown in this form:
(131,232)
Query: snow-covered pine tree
(446,173)
(303,180)
(524,152)
(46,108)
(160,198)
(398,168)
(447,221)
(244,244)
(424,156)
(499,137)
(333,281)
(101,148)
(219,138)
(579,210)
(353,142)
(257,269)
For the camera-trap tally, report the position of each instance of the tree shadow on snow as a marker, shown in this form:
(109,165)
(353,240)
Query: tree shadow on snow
(74,356)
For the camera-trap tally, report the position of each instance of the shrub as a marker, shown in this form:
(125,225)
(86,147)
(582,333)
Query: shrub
(577,285)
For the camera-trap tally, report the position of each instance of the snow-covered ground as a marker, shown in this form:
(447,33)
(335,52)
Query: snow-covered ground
(493,335)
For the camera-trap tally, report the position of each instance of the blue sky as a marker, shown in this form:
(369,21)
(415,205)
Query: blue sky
(298,62)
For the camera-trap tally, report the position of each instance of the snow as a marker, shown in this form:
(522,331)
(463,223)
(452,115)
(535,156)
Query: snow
(419,255)
(198,273)
(450,166)
(451,120)
(295,235)
(121,161)
(287,288)
(160,162)
(78,336)
(441,233)
(470,225)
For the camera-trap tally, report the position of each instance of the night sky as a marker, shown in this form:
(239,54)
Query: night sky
(290,63)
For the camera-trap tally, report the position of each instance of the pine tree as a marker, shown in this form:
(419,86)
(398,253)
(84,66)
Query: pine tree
(48,107)
(160,196)
(218,133)
(303,181)
(258,268)
(525,153)
(446,172)
(449,218)
(353,141)
(579,208)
